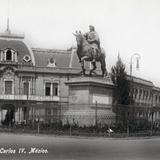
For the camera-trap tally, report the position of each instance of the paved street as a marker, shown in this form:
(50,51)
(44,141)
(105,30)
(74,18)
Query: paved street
(63,148)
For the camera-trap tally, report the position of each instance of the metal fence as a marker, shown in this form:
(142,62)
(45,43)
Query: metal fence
(87,119)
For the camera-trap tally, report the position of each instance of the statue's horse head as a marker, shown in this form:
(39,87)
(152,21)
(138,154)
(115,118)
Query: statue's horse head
(83,47)
(79,38)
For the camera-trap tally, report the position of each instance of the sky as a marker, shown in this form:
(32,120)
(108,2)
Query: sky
(124,26)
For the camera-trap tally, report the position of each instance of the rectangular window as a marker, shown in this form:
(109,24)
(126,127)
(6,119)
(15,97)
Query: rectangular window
(8,87)
(48,89)
(26,88)
(55,89)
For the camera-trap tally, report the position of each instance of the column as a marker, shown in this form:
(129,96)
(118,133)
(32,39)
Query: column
(15,57)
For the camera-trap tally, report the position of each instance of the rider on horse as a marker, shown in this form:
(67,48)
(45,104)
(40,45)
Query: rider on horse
(93,39)
(88,49)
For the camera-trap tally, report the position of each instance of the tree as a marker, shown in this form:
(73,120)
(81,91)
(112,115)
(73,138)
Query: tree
(121,91)
(119,78)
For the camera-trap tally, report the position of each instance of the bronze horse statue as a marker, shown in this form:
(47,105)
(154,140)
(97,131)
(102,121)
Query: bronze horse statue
(85,53)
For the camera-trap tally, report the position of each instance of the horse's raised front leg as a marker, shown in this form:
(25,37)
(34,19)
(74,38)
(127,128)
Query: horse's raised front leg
(94,68)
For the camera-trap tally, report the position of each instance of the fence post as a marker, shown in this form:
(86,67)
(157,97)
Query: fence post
(70,130)
(38,127)
(128,122)
(96,114)
(152,122)
(127,128)
(60,112)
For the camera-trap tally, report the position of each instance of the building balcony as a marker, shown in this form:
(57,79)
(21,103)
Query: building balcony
(30,97)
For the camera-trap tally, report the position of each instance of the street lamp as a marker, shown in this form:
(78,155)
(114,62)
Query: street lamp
(138,57)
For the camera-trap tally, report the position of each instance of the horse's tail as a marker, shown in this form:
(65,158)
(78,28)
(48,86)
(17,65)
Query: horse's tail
(103,53)
(103,62)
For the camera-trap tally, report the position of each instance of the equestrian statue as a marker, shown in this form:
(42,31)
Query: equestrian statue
(88,49)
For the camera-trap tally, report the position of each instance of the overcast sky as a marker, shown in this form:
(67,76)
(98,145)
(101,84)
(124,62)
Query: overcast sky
(124,26)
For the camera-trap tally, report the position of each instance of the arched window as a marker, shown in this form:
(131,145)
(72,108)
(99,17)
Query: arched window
(140,94)
(8,55)
(156,98)
(146,94)
(136,93)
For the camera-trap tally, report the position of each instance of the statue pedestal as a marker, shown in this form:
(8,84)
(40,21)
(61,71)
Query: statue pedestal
(90,101)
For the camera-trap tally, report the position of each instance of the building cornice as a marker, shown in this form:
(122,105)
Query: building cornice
(12,36)
(90,81)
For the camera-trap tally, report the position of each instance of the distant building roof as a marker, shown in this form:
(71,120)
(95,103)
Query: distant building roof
(17,43)
(156,89)
(140,81)
(42,56)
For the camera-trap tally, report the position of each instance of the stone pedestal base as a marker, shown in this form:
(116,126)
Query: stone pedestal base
(90,102)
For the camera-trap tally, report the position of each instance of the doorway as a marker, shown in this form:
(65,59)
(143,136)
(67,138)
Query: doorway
(7,114)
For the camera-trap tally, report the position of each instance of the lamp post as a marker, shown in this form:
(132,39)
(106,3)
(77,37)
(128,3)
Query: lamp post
(138,57)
